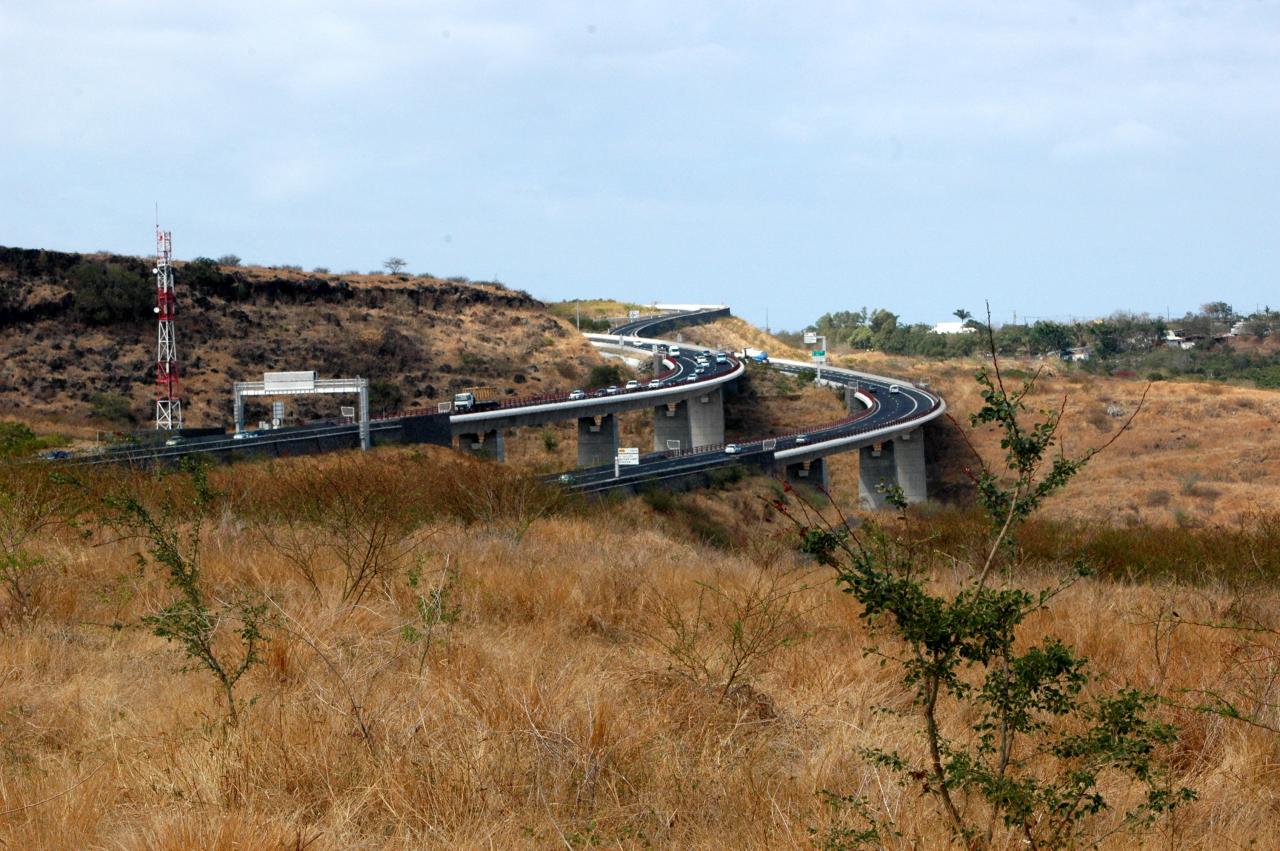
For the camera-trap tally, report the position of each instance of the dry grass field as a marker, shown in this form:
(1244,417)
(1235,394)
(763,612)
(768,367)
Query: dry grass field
(1199,453)
(554,701)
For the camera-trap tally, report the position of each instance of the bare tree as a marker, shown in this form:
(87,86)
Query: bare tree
(394,265)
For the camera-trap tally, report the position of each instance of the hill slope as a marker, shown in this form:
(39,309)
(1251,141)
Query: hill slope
(77,326)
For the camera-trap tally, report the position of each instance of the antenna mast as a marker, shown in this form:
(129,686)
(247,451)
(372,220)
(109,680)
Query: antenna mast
(168,403)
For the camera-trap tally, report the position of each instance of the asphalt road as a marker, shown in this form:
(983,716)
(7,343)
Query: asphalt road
(887,409)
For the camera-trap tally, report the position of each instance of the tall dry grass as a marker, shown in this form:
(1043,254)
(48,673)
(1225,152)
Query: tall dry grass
(553,711)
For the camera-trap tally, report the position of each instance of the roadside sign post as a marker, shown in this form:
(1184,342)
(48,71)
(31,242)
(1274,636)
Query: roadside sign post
(818,355)
(626,457)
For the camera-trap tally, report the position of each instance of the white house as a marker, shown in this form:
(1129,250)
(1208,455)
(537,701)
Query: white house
(952,328)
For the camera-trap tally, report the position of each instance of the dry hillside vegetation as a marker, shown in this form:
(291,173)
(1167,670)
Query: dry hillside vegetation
(428,337)
(559,675)
(1199,453)
(734,334)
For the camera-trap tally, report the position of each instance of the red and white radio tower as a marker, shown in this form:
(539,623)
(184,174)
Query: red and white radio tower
(168,403)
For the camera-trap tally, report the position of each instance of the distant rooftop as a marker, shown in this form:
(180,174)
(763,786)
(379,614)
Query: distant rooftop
(952,328)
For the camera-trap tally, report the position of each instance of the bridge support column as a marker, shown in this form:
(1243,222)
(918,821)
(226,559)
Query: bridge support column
(706,419)
(597,440)
(875,465)
(487,444)
(671,423)
(851,403)
(908,460)
(809,473)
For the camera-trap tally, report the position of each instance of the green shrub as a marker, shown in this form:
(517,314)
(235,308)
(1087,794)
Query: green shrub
(605,374)
(112,408)
(103,293)
(659,499)
(385,396)
(17,439)
(1014,729)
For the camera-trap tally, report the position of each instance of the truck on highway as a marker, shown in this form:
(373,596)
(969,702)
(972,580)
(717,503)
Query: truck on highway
(475,399)
(756,355)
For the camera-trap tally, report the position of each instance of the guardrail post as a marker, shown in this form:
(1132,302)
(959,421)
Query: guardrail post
(597,440)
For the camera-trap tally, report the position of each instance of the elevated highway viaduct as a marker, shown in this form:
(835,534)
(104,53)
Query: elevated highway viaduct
(883,424)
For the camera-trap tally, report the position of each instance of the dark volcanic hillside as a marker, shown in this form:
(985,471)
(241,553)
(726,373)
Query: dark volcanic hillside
(77,333)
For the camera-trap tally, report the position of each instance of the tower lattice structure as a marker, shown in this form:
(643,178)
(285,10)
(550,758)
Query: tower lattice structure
(168,392)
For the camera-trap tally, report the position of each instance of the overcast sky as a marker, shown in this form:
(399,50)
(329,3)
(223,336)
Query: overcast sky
(1058,158)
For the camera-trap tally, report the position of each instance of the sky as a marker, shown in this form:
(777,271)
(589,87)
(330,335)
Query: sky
(1057,159)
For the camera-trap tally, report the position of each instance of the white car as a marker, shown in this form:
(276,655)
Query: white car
(633,385)
(732,449)
(893,388)
(612,390)
(655,384)
(576,395)
(801,439)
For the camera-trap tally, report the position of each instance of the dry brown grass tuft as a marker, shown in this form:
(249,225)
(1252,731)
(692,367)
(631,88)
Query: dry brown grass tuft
(553,711)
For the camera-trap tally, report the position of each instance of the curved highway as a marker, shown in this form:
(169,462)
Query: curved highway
(886,413)
(892,407)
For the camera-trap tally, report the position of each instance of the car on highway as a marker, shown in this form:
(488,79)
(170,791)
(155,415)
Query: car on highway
(893,388)
(575,395)
(633,385)
(732,449)
(801,439)
(566,478)
(721,357)
(174,441)
(690,378)
(700,370)
(245,435)
(612,390)
(655,384)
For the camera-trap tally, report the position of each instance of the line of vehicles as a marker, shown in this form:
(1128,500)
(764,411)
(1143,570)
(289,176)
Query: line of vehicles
(478,399)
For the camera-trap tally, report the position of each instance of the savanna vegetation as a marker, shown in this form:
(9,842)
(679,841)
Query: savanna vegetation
(1123,343)
(411,649)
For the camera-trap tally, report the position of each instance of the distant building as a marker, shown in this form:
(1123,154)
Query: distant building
(1078,354)
(1174,341)
(952,328)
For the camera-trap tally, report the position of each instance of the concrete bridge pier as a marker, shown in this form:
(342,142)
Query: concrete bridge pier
(706,418)
(488,444)
(875,465)
(908,460)
(597,440)
(671,423)
(809,473)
